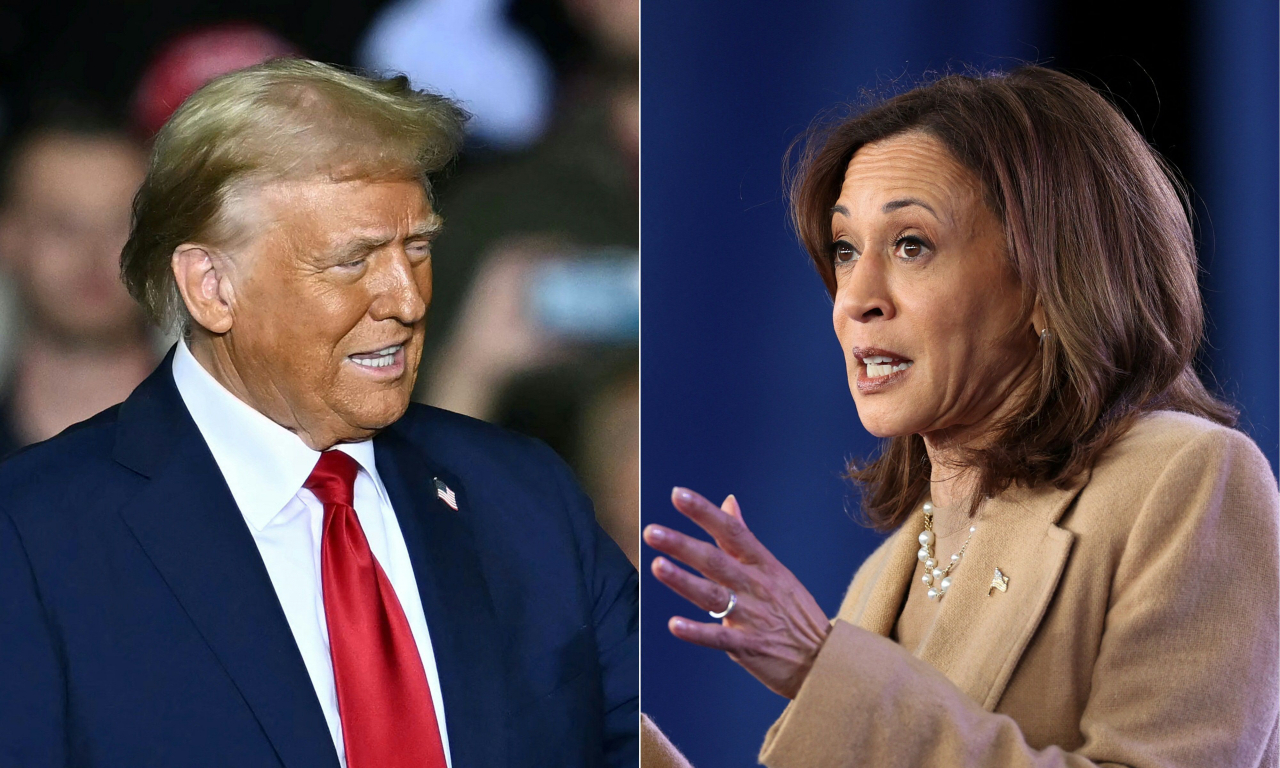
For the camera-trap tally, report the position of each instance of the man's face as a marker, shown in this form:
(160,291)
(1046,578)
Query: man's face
(62,231)
(329,305)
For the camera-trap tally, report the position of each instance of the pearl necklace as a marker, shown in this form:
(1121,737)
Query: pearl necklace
(936,579)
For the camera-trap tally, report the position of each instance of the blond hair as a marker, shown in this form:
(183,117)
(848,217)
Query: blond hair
(283,120)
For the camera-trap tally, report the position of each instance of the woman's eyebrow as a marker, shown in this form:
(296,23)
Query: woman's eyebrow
(892,206)
(905,202)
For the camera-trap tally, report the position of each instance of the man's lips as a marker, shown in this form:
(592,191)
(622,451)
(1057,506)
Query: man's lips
(385,357)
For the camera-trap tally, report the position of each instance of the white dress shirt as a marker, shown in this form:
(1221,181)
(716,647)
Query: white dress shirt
(265,466)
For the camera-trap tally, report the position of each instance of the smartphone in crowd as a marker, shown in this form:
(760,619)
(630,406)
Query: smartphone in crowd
(592,297)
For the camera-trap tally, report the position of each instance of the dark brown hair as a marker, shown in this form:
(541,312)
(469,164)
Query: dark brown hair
(1096,226)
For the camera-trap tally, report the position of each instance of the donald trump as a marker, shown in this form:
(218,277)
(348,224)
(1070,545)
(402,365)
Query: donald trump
(266,556)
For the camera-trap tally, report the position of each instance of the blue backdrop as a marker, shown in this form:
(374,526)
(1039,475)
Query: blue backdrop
(743,382)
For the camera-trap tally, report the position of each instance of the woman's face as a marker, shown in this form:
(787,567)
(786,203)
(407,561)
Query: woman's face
(925,297)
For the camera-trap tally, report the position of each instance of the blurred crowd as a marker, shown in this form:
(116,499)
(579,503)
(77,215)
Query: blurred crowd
(534,322)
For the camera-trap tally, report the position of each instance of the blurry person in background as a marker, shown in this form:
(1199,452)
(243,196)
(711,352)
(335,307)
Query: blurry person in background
(82,344)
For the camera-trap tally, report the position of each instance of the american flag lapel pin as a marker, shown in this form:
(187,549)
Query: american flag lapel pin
(1000,582)
(445,493)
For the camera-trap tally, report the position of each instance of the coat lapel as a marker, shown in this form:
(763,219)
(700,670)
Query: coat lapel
(980,634)
(465,636)
(976,639)
(190,527)
(874,603)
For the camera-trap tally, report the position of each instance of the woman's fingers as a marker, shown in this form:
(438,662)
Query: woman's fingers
(707,558)
(730,505)
(716,636)
(729,531)
(705,594)
(776,627)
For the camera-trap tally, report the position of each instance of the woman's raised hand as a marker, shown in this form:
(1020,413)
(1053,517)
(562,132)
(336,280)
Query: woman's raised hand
(775,628)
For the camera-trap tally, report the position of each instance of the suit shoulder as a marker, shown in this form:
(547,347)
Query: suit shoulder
(1168,463)
(429,426)
(477,449)
(1156,439)
(67,462)
(517,478)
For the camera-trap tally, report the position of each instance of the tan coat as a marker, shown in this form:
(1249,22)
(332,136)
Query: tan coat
(1140,626)
(656,751)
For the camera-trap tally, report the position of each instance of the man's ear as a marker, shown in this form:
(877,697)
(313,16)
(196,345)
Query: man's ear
(201,273)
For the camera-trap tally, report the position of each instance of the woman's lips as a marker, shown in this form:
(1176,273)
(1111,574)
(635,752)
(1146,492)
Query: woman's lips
(869,385)
(879,369)
(881,365)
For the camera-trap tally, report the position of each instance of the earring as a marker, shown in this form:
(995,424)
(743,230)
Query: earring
(1045,334)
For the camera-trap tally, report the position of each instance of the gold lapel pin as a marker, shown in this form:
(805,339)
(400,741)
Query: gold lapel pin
(1000,582)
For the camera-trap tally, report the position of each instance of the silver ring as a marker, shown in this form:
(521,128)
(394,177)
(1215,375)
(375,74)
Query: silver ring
(728,609)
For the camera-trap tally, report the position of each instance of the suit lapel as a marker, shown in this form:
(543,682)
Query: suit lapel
(190,527)
(465,636)
(980,634)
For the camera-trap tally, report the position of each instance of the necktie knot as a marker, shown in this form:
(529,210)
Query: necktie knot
(333,479)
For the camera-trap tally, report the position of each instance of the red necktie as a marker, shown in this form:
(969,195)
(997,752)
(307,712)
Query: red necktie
(388,720)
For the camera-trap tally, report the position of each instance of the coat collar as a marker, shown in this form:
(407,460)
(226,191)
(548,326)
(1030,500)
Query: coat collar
(263,463)
(977,638)
(151,421)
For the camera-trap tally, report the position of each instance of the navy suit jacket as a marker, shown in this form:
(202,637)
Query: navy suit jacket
(139,627)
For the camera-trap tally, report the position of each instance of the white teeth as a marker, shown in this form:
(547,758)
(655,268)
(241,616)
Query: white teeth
(874,370)
(869,359)
(385,357)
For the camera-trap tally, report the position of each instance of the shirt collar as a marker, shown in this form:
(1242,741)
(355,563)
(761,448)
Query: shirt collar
(263,463)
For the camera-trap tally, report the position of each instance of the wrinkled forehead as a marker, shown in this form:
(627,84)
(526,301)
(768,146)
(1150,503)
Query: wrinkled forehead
(325,213)
(912,168)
